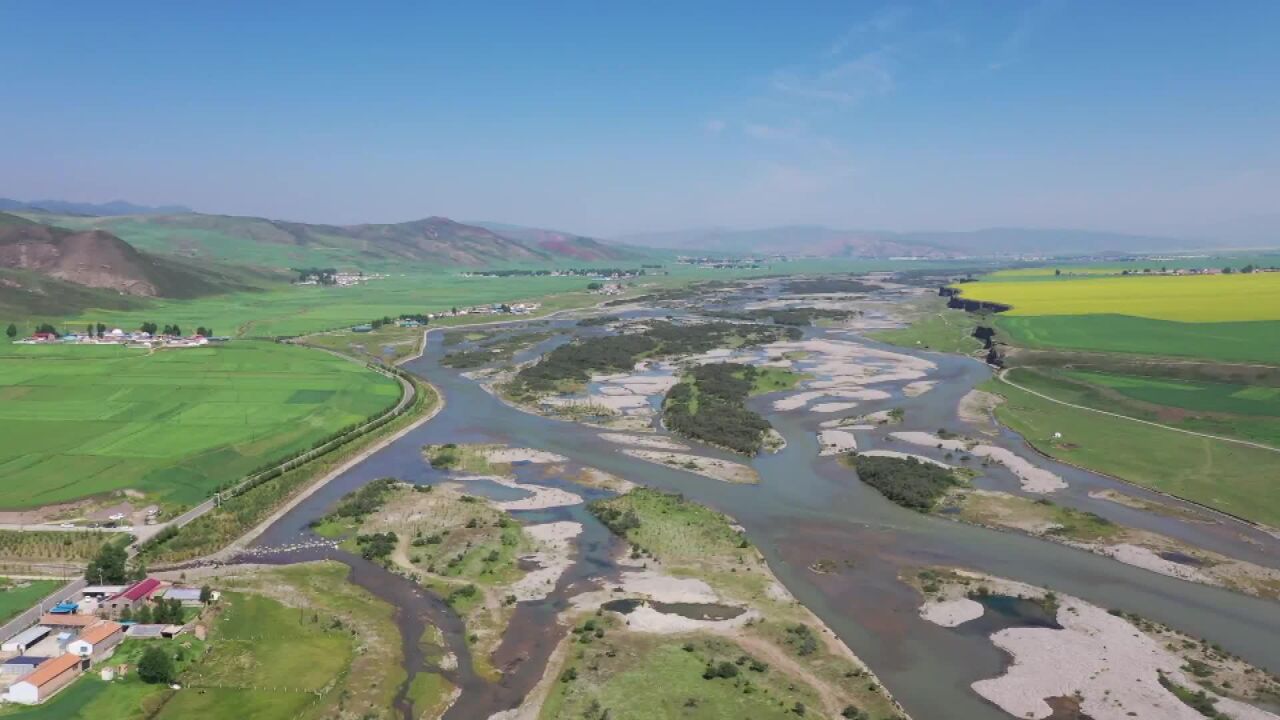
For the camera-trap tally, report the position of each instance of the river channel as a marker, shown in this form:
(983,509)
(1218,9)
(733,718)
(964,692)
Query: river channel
(807,509)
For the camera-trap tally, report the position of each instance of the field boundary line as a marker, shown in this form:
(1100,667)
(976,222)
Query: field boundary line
(1003,377)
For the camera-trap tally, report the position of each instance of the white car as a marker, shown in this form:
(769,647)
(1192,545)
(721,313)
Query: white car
(69,526)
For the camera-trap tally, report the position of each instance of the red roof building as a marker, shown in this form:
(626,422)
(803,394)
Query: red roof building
(133,596)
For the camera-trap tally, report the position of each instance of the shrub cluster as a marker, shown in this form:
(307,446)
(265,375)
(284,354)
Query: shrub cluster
(905,481)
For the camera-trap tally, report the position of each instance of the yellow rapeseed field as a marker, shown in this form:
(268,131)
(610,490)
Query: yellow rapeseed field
(1187,298)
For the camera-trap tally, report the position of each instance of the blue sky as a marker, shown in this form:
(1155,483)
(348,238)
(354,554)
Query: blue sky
(607,118)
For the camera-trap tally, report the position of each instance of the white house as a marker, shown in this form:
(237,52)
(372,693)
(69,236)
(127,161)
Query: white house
(97,640)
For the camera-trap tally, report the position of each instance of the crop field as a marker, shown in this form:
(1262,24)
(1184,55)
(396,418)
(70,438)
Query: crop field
(1231,318)
(1222,475)
(1200,298)
(1244,342)
(80,421)
(296,310)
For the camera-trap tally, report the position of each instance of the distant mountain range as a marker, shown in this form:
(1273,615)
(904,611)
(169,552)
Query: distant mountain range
(818,241)
(115,207)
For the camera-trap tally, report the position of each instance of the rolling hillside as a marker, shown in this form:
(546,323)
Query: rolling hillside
(569,245)
(434,242)
(49,269)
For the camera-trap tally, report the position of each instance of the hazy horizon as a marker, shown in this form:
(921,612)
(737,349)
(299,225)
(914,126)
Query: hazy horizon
(921,116)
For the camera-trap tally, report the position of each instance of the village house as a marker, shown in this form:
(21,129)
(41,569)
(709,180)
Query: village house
(97,641)
(48,678)
(132,598)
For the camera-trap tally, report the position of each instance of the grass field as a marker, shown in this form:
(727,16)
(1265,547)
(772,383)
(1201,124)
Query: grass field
(80,421)
(1247,412)
(14,600)
(640,677)
(1202,298)
(1226,476)
(265,661)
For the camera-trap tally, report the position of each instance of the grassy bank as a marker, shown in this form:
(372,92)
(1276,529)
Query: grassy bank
(935,327)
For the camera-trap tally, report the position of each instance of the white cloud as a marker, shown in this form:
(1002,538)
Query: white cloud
(714,126)
(885,20)
(847,83)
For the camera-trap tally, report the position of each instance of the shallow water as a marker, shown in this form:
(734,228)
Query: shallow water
(808,509)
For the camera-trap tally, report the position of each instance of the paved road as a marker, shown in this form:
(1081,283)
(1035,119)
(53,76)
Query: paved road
(32,614)
(1004,377)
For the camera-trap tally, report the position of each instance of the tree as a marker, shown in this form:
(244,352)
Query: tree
(108,566)
(12,331)
(102,329)
(206,595)
(156,666)
(1057,272)
(89,330)
(145,616)
(149,328)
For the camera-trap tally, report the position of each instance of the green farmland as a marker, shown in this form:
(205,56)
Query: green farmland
(297,310)
(80,421)
(1226,476)
(1257,341)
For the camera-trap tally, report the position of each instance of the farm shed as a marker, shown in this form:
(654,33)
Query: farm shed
(21,665)
(49,678)
(189,597)
(75,622)
(25,639)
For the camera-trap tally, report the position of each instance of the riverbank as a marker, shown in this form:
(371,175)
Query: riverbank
(1069,655)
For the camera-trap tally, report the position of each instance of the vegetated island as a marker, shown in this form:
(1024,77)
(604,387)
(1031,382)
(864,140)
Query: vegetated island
(696,623)
(708,405)
(569,367)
